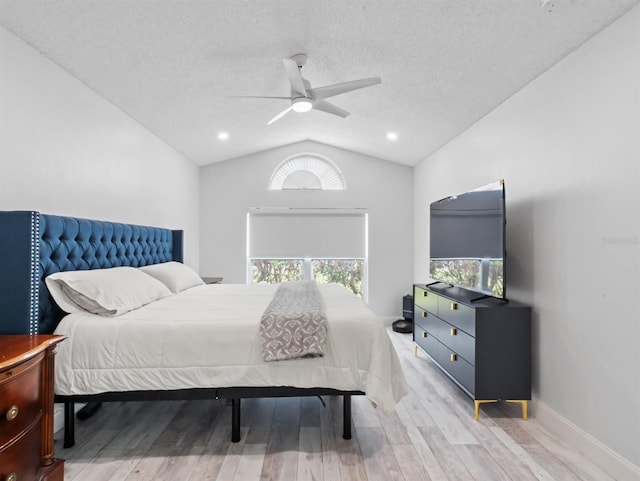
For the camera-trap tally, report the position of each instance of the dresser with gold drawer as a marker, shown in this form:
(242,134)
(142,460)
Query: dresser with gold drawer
(482,344)
(26,409)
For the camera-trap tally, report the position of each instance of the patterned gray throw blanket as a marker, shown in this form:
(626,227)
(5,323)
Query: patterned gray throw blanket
(294,325)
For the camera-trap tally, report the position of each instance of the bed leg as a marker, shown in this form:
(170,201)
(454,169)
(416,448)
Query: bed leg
(235,420)
(346,416)
(69,424)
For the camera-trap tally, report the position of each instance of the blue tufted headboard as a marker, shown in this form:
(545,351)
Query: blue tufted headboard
(34,245)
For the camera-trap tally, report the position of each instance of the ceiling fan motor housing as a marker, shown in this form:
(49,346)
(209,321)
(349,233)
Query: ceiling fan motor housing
(302,104)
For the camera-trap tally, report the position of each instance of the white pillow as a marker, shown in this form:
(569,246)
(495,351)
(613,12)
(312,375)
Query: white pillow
(107,292)
(175,275)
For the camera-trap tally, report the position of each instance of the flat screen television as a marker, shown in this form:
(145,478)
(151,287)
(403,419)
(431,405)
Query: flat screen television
(467,240)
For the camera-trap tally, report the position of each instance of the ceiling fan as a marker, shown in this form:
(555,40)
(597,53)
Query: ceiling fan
(304,98)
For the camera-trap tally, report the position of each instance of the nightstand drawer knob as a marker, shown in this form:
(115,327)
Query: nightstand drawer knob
(424,333)
(454,331)
(11,477)
(454,306)
(425,293)
(12,413)
(424,313)
(454,357)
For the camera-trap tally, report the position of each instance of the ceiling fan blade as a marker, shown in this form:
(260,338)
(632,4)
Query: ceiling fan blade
(254,97)
(329,108)
(280,115)
(337,89)
(295,77)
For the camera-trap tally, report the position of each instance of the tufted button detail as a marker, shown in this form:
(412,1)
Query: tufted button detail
(70,244)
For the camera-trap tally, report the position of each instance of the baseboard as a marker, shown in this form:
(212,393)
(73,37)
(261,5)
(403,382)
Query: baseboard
(610,461)
(58,415)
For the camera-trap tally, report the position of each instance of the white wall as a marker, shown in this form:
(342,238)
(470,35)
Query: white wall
(567,146)
(228,189)
(65,150)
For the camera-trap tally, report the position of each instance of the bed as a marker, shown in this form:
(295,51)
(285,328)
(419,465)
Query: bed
(140,354)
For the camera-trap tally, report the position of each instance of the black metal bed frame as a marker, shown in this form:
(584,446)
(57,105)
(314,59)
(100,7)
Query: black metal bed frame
(233,394)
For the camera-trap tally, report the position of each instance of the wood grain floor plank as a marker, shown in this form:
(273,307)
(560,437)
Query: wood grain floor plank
(350,459)
(260,427)
(149,414)
(161,414)
(445,454)
(584,467)
(180,464)
(103,470)
(251,461)
(379,460)
(393,428)
(525,458)
(330,457)
(86,454)
(364,414)
(409,462)
(210,462)
(281,459)
(146,468)
(480,463)
(310,411)
(496,449)
(232,458)
(425,455)
(413,407)
(551,464)
(310,454)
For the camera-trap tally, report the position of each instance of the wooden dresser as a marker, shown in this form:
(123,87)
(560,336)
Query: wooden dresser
(26,409)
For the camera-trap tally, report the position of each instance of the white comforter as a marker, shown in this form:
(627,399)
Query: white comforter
(208,336)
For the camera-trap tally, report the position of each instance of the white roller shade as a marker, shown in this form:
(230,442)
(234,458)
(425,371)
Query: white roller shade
(299,233)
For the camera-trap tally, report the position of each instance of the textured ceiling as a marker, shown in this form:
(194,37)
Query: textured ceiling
(171,64)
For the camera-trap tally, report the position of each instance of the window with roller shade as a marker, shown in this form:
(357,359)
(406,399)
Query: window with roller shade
(328,245)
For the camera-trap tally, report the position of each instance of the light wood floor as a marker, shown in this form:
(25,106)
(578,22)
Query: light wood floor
(431,436)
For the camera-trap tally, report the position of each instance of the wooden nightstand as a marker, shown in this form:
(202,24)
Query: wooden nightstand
(212,280)
(26,409)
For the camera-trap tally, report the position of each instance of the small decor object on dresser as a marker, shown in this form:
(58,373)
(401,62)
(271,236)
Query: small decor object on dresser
(26,408)
(482,343)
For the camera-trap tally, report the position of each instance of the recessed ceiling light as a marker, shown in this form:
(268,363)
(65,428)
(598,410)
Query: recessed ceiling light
(223,135)
(392,136)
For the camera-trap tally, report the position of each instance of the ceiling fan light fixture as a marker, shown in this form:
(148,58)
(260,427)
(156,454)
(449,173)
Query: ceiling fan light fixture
(302,105)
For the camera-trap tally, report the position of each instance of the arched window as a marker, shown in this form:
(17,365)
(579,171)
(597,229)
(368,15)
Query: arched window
(307,171)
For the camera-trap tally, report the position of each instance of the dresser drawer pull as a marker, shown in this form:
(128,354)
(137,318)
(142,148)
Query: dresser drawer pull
(454,331)
(12,413)
(424,313)
(11,477)
(454,357)
(454,306)
(424,333)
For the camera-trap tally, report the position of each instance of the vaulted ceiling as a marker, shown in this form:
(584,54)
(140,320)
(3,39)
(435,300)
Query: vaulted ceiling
(174,65)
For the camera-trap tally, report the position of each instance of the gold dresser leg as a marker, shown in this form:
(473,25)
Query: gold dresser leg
(482,401)
(415,350)
(524,403)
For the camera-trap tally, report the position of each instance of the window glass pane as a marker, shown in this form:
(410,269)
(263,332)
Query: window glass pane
(273,271)
(347,272)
